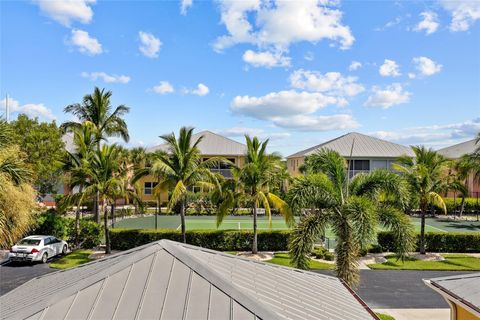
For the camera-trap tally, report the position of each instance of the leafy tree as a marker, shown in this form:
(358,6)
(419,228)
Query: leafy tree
(353,208)
(42,141)
(426,176)
(96,109)
(181,168)
(256,178)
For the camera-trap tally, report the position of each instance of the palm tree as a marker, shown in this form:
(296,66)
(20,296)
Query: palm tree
(425,173)
(96,109)
(353,208)
(12,166)
(182,168)
(256,178)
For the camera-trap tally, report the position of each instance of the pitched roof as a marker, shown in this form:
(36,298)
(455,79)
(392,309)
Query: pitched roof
(463,288)
(460,149)
(363,146)
(169,280)
(212,144)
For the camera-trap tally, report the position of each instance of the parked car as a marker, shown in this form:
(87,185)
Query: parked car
(38,248)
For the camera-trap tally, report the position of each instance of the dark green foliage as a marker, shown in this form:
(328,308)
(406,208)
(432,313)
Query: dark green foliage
(222,240)
(53,224)
(471,204)
(322,253)
(455,242)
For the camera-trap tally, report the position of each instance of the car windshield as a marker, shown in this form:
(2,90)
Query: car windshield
(29,242)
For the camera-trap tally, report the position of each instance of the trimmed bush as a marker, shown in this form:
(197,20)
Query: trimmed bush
(322,253)
(438,241)
(471,205)
(222,240)
(91,233)
(52,224)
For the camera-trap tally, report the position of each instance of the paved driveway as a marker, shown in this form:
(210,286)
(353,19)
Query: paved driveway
(399,289)
(13,275)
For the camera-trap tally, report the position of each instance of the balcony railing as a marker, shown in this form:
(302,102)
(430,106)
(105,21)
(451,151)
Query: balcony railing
(227,173)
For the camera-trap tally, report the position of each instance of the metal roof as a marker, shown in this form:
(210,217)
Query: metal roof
(212,144)
(363,146)
(169,280)
(460,149)
(463,288)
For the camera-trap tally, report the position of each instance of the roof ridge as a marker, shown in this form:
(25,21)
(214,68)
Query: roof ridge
(221,135)
(321,144)
(457,144)
(222,284)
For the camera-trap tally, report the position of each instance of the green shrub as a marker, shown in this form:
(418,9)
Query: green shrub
(438,241)
(452,204)
(222,240)
(91,233)
(52,224)
(322,253)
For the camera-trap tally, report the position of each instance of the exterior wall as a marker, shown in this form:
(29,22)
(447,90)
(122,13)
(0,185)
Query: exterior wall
(293,165)
(463,314)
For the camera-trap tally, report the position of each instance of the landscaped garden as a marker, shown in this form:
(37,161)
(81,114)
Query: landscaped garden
(452,262)
(72,259)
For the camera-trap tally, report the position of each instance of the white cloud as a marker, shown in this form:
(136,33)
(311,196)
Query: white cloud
(429,23)
(434,135)
(318,123)
(390,24)
(332,83)
(411,75)
(265,59)
(108,78)
(240,132)
(30,109)
(426,66)
(278,24)
(84,43)
(201,90)
(163,87)
(309,56)
(67,11)
(184,5)
(388,97)
(464,13)
(149,44)
(389,68)
(355,65)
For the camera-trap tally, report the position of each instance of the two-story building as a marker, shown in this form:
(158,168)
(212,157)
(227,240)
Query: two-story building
(212,145)
(363,153)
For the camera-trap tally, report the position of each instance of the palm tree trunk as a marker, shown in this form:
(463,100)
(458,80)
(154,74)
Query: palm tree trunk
(254,245)
(112,215)
(77,221)
(462,207)
(97,207)
(422,229)
(105,221)
(182,218)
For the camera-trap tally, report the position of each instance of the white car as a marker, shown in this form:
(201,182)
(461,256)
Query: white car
(38,248)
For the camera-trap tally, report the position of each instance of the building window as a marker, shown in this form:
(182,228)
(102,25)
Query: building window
(359,165)
(148,187)
(380,164)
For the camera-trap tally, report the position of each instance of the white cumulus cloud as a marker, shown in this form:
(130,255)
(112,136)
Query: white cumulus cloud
(387,97)
(318,123)
(149,44)
(67,11)
(240,132)
(426,66)
(355,65)
(429,23)
(108,78)
(30,109)
(332,83)
(265,59)
(201,90)
(464,13)
(85,43)
(163,87)
(184,5)
(389,68)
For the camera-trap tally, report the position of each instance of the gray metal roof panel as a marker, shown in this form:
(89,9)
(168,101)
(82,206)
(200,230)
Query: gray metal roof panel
(465,287)
(459,149)
(363,146)
(212,144)
(168,280)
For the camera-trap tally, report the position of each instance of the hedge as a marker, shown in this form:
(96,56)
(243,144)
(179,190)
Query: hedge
(471,205)
(438,241)
(222,240)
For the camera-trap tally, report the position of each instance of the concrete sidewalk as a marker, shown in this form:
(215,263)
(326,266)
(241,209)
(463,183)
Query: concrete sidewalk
(417,314)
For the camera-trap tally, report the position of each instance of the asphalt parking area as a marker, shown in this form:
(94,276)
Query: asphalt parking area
(14,274)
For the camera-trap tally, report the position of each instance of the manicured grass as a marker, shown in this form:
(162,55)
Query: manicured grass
(452,262)
(284,260)
(384,316)
(73,259)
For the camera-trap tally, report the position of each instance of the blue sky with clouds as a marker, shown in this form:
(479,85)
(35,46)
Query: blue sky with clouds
(299,72)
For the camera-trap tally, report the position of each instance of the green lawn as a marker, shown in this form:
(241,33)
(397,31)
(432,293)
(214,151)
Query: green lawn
(73,259)
(384,316)
(452,262)
(284,260)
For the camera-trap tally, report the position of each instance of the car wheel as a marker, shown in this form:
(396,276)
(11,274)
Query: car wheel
(64,250)
(44,258)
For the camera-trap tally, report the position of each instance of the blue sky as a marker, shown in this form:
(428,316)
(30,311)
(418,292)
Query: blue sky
(298,72)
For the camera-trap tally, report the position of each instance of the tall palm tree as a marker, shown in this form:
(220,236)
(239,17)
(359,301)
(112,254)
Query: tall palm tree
(425,173)
(181,168)
(353,208)
(256,178)
(12,166)
(96,109)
